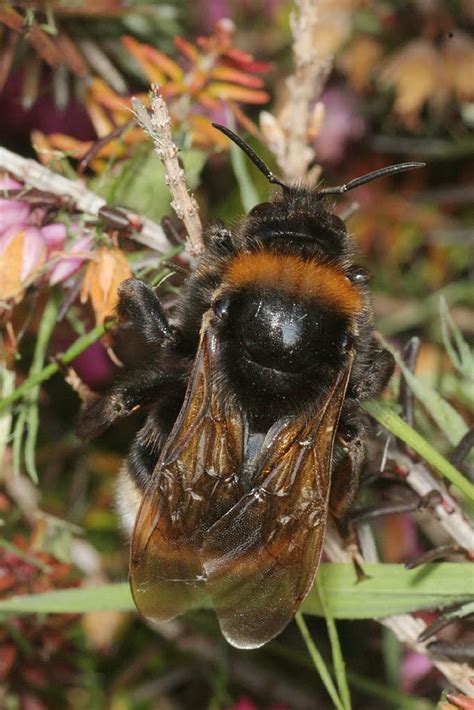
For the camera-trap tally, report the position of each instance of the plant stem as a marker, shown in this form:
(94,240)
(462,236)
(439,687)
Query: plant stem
(318,662)
(72,352)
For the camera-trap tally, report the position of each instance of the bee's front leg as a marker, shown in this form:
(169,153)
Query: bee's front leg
(139,308)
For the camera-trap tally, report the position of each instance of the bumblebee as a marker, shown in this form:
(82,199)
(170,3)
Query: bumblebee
(252,382)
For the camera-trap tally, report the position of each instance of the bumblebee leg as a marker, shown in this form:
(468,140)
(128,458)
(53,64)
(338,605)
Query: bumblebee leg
(140,308)
(370,380)
(142,386)
(346,473)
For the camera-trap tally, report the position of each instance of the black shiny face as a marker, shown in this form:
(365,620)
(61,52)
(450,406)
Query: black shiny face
(277,331)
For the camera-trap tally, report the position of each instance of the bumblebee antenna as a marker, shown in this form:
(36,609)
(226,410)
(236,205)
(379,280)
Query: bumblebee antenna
(375,175)
(256,159)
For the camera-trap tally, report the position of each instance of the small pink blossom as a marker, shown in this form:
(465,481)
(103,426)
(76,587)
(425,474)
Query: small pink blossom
(72,261)
(39,244)
(34,248)
(8,183)
(55,235)
(414,667)
(12,213)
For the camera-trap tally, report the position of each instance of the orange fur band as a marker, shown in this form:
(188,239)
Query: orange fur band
(304,279)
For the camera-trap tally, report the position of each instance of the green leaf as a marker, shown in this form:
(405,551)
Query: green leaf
(319,663)
(446,417)
(337,657)
(7,385)
(456,346)
(141,185)
(47,325)
(382,412)
(390,589)
(248,194)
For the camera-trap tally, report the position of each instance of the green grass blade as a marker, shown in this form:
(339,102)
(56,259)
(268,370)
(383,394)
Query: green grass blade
(382,412)
(446,417)
(68,356)
(337,658)
(248,194)
(390,589)
(7,385)
(47,325)
(107,597)
(456,346)
(318,662)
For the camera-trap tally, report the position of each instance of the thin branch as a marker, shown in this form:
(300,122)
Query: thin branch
(290,135)
(158,126)
(39,176)
(61,359)
(448,512)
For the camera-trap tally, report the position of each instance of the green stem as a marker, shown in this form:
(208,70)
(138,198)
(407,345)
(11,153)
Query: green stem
(76,349)
(337,657)
(391,421)
(45,331)
(318,662)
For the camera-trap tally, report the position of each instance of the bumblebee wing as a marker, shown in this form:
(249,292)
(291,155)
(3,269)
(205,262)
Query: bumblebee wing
(195,482)
(261,557)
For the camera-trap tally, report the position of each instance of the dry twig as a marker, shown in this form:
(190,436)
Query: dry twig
(158,126)
(35,175)
(318,28)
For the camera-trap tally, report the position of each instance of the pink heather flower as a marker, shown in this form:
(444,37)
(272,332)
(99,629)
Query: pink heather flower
(34,248)
(40,245)
(12,212)
(72,260)
(54,235)
(243,704)
(8,183)
(414,667)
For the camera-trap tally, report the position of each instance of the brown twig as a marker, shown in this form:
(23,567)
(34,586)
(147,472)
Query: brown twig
(290,135)
(158,126)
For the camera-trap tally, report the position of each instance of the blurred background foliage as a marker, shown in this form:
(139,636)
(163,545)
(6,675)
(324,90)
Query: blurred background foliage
(402,88)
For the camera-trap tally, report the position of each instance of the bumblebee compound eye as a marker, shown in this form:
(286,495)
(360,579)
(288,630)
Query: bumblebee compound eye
(221,307)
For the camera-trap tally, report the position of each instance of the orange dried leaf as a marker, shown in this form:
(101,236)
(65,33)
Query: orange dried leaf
(45,46)
(418,75)
(225,91)
(167,65)
(458,56)
(137,50)
(186,48)
(73,58)
(11,18)
(100,120)
(103,276)
(236,76)
(360,60)
(11,260)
